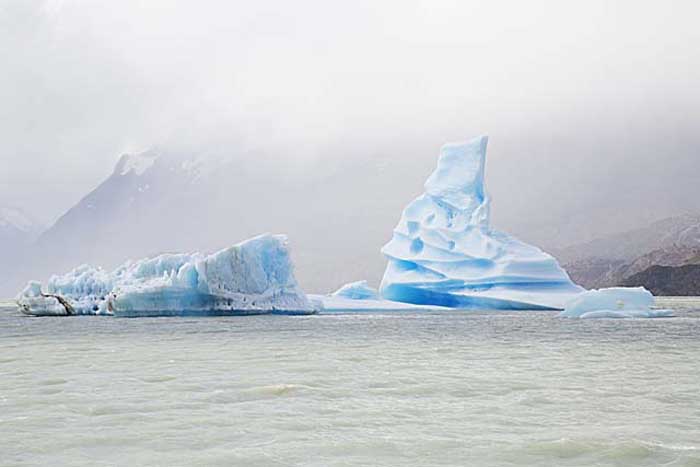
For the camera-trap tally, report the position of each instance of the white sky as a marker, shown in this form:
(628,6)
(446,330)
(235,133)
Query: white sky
(601,96)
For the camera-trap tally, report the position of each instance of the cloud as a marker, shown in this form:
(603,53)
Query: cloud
(592,107)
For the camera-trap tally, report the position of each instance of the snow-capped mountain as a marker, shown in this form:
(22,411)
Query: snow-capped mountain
(165,201)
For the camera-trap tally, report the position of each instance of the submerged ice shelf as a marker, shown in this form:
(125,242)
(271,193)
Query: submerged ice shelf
(443,251)
(252,277)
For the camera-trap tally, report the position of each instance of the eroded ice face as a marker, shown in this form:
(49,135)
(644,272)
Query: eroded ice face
(443,251)
(252,276)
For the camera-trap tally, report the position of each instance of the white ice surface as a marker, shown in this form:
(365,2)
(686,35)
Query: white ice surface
(444,252)
(255,276)
(615,302)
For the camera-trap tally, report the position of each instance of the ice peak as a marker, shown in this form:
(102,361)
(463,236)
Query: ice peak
(459,178)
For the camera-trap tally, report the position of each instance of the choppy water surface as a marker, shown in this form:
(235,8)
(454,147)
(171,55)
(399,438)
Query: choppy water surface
(375,389)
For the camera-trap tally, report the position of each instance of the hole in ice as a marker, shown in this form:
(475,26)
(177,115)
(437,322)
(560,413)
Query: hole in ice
(412,227)
(416,246)
(450,217)
(451,245)
(430,219)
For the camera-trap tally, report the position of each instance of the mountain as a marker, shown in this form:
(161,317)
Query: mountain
(683,231)
(614,260)
(17,227)
(166,200)
(17,232)
(668,280)
(595,273)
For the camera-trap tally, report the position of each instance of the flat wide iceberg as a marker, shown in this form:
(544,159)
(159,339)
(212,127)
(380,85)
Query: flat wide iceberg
(252,277)
(443,251)
(615,302)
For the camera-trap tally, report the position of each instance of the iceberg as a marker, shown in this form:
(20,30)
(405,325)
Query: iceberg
(614,302)
(359,290)
(252,277)
(444,252)
(32,300)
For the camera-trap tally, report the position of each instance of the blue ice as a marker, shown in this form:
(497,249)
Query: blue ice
(252,277)
(444,251)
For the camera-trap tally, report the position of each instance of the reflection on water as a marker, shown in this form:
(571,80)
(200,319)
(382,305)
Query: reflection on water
(380,389)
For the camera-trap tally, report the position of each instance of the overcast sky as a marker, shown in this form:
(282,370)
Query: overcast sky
(584,101)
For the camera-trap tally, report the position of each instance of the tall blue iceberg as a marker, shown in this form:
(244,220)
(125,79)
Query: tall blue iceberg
(444,252)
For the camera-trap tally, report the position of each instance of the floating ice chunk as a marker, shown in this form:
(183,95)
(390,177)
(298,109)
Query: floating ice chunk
(359,290)
(31,298)
(443,251)
(253,277)
(615,302)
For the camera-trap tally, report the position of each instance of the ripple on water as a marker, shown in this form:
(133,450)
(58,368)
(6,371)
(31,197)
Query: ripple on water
(449,389)
(566,451)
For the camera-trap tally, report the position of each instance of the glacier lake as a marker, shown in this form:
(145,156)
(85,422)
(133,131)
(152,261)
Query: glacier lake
(344,389)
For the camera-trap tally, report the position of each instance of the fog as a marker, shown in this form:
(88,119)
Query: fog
(592,107)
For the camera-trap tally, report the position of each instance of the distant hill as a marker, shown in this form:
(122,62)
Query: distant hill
(678,231)
(616,259)
(17,232)
(16,226)
(668,280)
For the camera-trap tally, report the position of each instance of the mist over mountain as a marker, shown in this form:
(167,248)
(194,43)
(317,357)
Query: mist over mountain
(17,227)
(639,257)
(162,201)
(669,233)
(18,231)
(325,130)
(338,212)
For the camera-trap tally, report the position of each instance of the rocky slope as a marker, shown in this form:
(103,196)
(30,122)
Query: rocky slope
(616,260)
(681,231)
(668,280)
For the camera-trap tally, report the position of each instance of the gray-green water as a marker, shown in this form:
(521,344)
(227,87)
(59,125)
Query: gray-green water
(371,389)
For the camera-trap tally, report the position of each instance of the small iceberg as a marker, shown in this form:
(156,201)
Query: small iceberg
(33,301)
(359,290)
(615,302)
(252,277)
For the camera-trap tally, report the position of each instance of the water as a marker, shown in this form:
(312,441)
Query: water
(372,389)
